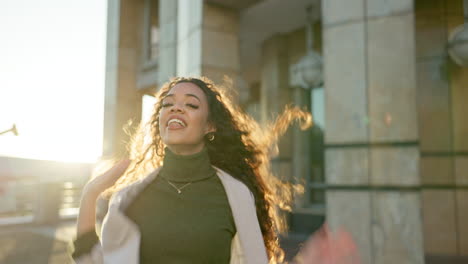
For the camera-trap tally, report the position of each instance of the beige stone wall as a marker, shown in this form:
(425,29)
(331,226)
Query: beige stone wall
(442,96)
(371,132)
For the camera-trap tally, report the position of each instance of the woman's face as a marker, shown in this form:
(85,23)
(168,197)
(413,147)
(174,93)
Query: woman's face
(183,119)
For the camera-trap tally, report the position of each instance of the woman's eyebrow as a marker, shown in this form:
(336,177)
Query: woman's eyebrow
(192,95)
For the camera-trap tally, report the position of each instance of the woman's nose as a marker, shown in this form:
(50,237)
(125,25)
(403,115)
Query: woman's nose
(177,108)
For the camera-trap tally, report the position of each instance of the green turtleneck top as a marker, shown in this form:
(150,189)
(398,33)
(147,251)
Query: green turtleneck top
(193,226)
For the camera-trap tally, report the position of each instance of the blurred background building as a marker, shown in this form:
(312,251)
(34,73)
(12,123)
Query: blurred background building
(386,82)
(388,156)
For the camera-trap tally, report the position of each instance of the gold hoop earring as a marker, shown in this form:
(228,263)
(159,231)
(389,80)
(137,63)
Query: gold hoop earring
(211,136)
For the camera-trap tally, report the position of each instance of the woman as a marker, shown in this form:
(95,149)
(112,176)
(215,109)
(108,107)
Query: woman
(211,198)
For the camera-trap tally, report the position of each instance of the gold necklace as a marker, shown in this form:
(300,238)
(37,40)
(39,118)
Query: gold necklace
(179,190)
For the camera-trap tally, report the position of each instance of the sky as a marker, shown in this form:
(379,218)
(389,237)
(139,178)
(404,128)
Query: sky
(52,77)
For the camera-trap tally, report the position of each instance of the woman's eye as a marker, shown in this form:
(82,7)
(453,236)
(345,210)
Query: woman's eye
(193,106)
(171,104)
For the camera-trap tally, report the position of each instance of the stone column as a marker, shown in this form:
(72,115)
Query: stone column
(458,78)
(371,132)
(122,100)
(442,97)
(459,88)
(207,41)
(167,64)
(189,37)
(440,236)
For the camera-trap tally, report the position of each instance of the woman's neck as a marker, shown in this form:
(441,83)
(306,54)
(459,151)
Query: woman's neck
(186,149)
(186,168)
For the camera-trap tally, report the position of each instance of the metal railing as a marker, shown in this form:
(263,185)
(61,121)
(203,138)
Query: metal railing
(33,202)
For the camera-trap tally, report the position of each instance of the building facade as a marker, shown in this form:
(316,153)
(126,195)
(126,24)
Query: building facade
(388,155)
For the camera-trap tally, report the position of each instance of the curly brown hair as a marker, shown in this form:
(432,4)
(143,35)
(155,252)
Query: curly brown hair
(241,147)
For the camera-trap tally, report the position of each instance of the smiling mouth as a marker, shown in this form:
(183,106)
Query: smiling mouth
(176,124)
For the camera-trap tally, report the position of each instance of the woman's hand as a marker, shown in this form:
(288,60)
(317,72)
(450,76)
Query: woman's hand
(325,247)
(100,183)
(92,190)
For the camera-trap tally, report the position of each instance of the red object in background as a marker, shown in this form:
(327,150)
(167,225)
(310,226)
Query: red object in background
(327,247)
